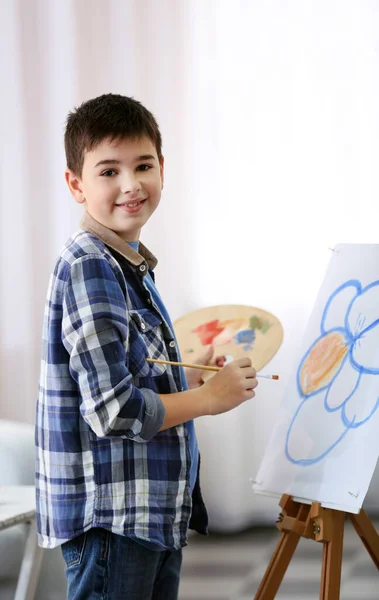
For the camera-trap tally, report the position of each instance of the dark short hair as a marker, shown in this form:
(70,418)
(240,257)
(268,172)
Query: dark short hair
(107,116)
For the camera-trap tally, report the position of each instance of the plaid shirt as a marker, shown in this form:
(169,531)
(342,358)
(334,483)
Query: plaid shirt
(101,459)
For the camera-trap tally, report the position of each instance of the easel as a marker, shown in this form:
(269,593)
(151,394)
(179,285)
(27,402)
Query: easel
(322,525)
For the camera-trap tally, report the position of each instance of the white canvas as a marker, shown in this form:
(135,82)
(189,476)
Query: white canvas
(325,444)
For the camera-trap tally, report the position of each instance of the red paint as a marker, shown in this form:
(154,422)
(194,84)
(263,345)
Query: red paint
(208,331)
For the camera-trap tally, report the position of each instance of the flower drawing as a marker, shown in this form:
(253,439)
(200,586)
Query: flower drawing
(338,375)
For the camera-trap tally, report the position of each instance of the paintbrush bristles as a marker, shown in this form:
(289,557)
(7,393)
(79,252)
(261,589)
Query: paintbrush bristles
(202,367)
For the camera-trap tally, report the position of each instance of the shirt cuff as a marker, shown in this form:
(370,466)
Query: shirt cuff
(155,413)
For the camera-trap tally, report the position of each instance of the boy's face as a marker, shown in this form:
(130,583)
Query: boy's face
(120,185)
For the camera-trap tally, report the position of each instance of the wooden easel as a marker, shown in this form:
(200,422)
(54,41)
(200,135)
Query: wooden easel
(322,525)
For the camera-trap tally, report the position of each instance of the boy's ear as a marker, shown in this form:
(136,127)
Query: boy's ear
(74,185)
(161,166)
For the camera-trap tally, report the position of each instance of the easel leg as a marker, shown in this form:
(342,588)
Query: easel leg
(322,525)
(332,559)
(368,534)
(278,566)
(292,523)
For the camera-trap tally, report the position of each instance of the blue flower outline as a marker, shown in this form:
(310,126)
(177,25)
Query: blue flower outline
(351,338)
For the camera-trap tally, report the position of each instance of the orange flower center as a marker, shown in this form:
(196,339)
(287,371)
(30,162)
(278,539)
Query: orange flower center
(322,362)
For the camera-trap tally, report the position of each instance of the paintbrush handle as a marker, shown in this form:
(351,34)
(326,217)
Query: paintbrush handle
(202,367)
(181,364)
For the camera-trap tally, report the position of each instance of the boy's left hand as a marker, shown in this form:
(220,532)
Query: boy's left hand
(194,376)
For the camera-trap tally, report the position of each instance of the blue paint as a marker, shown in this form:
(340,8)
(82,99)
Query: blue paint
(246,337)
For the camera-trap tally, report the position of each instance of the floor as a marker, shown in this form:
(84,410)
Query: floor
(230,567)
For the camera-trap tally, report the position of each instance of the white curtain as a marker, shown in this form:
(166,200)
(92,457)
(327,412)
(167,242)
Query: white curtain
(269,115)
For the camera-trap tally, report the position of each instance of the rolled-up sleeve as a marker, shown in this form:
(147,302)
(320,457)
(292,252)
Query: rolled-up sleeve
(95,335)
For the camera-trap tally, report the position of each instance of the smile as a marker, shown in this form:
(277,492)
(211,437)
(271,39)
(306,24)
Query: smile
(131,207)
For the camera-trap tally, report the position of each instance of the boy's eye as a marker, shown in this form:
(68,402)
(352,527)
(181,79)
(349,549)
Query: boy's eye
(108,173)
(143,167)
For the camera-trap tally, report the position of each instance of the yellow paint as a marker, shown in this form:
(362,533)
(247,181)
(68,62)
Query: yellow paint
(322,362)
(233,323)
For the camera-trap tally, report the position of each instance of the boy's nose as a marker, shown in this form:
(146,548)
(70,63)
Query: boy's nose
(130,185)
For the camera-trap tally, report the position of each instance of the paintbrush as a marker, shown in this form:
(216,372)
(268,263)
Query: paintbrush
(202,367)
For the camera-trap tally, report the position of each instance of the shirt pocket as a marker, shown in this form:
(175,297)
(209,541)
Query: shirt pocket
(146,341)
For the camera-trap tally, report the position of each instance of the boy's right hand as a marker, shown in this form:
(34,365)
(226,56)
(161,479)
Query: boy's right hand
(232,385)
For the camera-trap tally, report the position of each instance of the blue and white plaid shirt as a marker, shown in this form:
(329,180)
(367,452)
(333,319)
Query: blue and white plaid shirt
(101,459)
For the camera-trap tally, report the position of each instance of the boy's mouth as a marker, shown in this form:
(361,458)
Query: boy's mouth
(132,206)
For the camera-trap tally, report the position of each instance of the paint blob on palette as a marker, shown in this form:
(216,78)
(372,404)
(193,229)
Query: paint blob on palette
(234,330)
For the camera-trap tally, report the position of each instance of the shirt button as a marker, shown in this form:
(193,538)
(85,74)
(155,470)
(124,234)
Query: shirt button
(142,268)
(172,344)
(148,301)
(143,326)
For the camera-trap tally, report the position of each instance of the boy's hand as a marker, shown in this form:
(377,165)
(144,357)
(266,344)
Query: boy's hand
(231,386)
(193,376)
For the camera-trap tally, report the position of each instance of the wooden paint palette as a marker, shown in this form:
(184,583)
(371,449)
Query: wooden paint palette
(234,330)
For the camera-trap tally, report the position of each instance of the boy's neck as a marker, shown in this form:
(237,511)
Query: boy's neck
(113,240)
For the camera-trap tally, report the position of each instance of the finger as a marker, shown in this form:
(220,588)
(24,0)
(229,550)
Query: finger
(251,384)
(242,362)
(249,372)
(220,361)
(206,357)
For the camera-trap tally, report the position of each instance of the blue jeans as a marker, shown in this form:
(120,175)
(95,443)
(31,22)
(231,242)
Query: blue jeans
(101,565)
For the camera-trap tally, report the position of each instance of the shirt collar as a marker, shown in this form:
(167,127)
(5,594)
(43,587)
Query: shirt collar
(141,258)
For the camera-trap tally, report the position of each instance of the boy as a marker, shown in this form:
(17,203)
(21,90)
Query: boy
(117,459)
